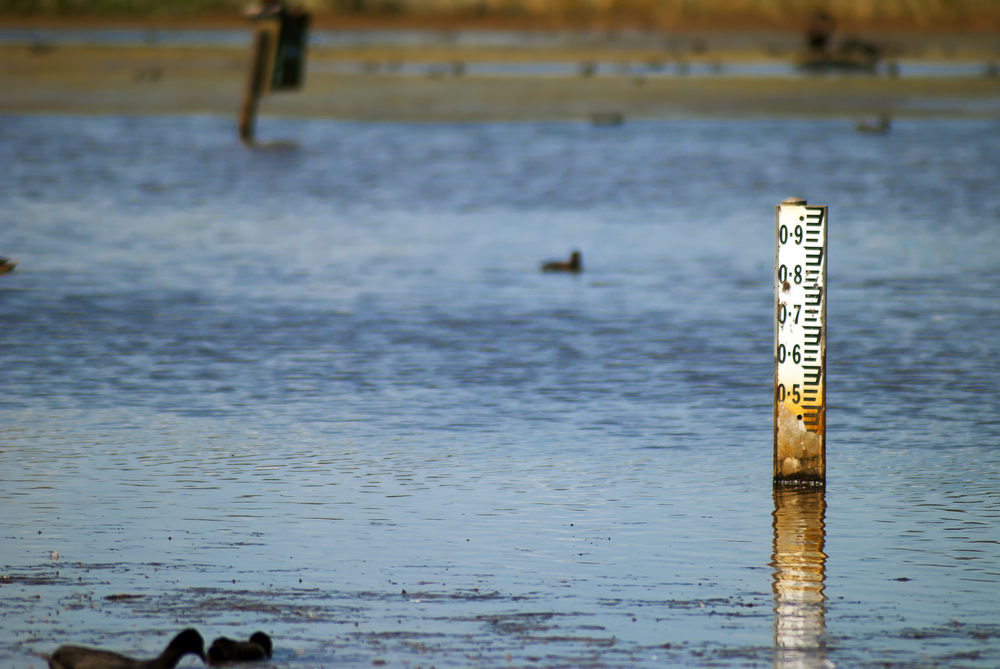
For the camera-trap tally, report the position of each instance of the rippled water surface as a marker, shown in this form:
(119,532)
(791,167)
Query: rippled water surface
(320,388)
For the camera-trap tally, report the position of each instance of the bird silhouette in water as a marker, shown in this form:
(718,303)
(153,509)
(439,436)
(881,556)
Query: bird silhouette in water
(7,265)
(573,265)
(78,657)
(225,650)
(880,127)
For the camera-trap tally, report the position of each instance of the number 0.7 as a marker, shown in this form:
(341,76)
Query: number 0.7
(783,314)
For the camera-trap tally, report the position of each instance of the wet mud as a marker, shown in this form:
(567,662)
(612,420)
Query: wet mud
(338,625)
(348,628)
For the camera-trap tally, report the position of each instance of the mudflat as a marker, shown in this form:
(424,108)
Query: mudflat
(442,84)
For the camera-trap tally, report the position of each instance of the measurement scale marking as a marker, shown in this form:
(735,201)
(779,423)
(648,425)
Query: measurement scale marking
(800,342)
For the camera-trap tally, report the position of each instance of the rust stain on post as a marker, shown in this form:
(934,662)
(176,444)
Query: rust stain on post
(800,343)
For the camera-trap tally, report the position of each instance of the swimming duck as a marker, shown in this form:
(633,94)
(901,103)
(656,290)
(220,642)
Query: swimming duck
(607,118)
(77,657)
(6,265)
(226,650)
(879,128)
(574,264)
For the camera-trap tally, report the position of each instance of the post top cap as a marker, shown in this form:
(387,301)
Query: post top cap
(794,201)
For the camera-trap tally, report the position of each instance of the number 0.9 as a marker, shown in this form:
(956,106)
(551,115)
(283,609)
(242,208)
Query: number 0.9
(783,234)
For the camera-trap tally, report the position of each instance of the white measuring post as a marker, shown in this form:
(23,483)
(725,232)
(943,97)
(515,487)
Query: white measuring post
(800,343)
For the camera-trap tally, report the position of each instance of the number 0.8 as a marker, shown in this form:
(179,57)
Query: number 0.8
(783,274)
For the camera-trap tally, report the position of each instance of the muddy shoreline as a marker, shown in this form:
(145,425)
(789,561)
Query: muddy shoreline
(358,83)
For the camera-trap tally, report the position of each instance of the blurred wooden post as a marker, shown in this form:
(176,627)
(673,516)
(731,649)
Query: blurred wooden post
(256,82)
(277,61)
(799,343)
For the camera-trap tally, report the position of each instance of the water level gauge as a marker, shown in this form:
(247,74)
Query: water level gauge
(800,342)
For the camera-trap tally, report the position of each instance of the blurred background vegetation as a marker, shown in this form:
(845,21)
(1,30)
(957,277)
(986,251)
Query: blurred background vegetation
(922,15)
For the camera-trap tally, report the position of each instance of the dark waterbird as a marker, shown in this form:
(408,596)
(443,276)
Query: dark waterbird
(608,119)
(879,127)
(574,264)
(7,265)
(77,657)
(225,650)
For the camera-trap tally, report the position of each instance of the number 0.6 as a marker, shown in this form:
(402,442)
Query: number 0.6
(796,353)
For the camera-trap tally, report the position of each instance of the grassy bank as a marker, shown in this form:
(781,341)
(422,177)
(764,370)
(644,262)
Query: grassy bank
(858,15)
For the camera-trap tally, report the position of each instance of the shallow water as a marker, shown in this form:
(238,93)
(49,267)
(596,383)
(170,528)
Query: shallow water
(276,388)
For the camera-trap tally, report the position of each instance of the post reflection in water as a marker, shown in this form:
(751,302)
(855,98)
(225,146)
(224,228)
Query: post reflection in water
(799,570)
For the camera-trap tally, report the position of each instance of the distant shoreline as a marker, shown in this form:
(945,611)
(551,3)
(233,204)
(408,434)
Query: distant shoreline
(87,80)
(400,68)
(719,23)
(396,40)
(528,37)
